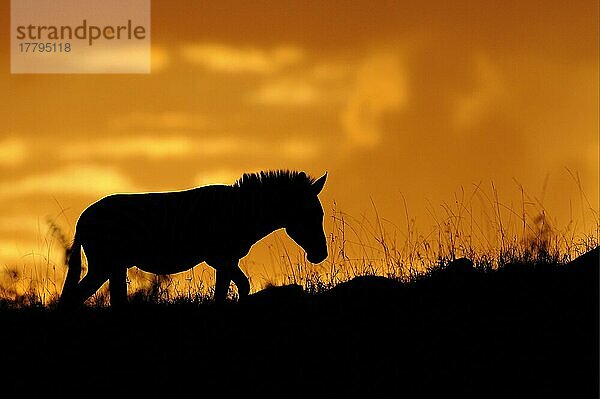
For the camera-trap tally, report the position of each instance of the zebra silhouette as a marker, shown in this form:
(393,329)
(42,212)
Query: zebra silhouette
(170,232)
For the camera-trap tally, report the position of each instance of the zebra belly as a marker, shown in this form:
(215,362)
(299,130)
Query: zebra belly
(175,264)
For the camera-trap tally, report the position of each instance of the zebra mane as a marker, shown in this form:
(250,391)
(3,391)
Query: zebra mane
(284,180)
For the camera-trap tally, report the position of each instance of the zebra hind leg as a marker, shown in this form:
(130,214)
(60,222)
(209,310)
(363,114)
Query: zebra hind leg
(87,287)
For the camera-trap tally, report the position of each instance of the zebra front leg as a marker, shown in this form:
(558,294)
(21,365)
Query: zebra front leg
(117,285)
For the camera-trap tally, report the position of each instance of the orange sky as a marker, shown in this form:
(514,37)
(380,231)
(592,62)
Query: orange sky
(395,99)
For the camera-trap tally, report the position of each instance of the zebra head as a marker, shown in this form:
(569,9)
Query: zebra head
(305,223)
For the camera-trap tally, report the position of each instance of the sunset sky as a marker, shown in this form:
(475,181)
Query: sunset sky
(398,101)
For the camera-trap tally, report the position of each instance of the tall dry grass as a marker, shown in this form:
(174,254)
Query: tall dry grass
(477,225)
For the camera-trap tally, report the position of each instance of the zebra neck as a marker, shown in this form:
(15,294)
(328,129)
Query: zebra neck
(266,213)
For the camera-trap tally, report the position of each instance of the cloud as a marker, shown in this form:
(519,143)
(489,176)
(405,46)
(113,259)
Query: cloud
(323,82)
(471,108)
(107,58)
(223,58)
(286,92)
(160,59)
(332,71)
(134,58)
(180,147)
(296,148)
(157,121)
(129,147)
(89,180)
(12,152)
(380,88)
(117,59)
(122,59)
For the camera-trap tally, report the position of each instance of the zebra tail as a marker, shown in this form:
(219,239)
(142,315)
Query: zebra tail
(73,263)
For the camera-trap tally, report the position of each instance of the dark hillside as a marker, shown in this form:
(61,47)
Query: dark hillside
(526,330)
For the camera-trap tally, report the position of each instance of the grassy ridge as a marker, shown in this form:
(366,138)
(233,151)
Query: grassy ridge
(522,330)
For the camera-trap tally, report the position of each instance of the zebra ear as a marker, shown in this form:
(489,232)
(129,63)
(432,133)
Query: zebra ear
(317,186)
